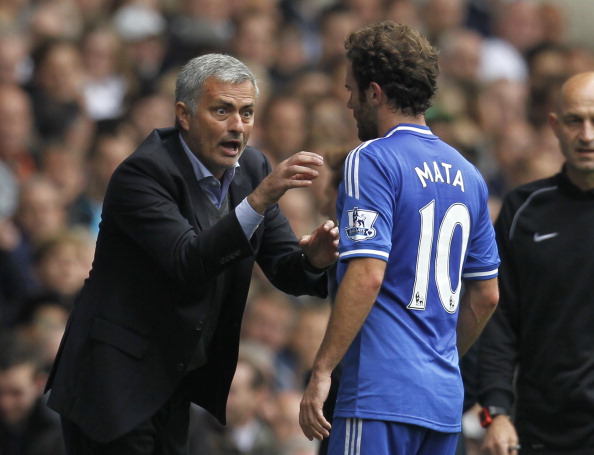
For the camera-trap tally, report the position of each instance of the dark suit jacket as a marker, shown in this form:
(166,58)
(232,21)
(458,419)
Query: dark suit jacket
(156,272)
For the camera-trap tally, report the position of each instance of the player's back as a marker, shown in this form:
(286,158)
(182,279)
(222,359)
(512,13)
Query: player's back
(415,202)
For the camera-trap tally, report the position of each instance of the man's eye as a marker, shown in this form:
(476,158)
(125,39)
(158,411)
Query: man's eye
(221,111)
(248,114)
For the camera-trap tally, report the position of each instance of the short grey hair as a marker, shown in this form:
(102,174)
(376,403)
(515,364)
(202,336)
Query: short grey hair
(193,75)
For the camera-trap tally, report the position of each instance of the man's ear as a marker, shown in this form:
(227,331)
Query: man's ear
(554,122)
(375,93)
(182,114)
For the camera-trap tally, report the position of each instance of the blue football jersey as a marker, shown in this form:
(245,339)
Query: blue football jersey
(413,201)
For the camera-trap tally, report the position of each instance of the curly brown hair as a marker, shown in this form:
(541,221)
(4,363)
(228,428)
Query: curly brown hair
(399,59)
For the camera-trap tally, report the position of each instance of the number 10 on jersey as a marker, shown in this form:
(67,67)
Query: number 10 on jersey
(455,216)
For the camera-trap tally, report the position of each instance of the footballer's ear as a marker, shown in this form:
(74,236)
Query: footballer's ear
(182,114)
(376,94)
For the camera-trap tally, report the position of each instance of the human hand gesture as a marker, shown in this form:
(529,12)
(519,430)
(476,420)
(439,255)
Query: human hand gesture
(321,246)
(296,171)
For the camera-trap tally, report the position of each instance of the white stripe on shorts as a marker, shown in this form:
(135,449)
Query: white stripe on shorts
(352,439)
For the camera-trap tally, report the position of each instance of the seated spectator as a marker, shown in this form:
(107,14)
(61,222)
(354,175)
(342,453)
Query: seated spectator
(42,320)
(17,134)
(109,82)
(107,152)
(27,426)
(40,214)
(62,262)
(246,432)
(269,321)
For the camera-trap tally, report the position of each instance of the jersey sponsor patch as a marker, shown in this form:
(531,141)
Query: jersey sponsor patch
(360,224)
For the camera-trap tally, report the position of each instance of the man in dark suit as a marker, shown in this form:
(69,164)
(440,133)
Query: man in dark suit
(157,323)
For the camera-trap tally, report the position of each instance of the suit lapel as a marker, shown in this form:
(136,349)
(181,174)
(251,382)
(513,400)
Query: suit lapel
(182,162)
(240,187)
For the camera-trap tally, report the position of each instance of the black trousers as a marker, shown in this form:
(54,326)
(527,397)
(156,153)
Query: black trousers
(165,433)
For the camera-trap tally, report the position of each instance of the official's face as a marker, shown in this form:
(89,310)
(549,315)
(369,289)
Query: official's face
(218,131)
(573,125)
(362,111)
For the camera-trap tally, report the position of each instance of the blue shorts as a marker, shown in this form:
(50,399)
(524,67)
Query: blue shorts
(354,436)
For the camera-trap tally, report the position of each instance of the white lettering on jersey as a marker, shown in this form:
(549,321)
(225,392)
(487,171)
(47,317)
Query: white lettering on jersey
(436,176)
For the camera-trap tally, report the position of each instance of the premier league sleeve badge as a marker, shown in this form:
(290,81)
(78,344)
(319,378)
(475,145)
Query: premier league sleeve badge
(360,224)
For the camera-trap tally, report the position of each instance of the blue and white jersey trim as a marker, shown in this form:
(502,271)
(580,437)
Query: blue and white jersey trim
(489,274)
(364,252)
(351,169)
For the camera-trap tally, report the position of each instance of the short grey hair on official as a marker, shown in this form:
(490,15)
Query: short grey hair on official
(194,73)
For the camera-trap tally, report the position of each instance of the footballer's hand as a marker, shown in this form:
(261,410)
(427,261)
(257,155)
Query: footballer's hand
(311,417)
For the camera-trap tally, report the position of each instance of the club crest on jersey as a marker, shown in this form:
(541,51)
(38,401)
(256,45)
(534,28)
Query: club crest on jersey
(360,224)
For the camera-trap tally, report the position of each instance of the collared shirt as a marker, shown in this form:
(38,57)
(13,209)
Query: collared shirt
(217,190)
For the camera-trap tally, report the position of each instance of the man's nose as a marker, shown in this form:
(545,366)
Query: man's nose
(587,132)
(236,123)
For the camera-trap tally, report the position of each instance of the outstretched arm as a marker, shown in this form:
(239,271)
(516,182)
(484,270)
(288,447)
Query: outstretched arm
(355,298)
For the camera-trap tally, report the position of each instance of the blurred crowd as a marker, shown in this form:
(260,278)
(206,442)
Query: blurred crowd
(83,82)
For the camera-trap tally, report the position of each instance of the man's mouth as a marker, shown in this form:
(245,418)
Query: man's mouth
(232,147)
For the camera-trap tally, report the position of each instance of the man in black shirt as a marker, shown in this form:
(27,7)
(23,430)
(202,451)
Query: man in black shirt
(536,355)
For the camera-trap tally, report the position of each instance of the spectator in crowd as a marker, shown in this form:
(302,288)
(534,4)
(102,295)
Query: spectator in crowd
(178,256)
(39,215)
(297,207)
(442,16)
(336,23)
(404,12)
(17,134)
(42,321)
(15,62)
(269,321)
(143,31)
(56,90)
(245,431)
(537,390)
(147,112)
(285,421)
(66,169)
(62,262)
(109,84)
(518,28)
(284,127)
(306,338)
(290,59)
(108,150)
(27,426)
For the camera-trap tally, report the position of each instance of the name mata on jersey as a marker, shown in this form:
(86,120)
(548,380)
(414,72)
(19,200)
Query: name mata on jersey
(360,221)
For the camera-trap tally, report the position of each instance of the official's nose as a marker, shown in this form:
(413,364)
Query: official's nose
(587,133)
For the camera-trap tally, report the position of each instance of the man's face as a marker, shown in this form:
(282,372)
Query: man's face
(362,111)
(573,125)
(218,131)
(19,390)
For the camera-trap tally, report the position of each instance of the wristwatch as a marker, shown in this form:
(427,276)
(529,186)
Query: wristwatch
(488,413)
